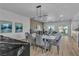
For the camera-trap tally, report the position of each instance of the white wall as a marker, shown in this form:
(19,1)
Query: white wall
(12,17)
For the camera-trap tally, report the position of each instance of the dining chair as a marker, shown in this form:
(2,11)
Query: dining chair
(33,40)
(56,41)
(47,45)
(26,35)
(39,42)
(42,43)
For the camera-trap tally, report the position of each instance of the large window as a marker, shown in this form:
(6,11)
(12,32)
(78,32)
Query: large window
(63,30)
(52,28)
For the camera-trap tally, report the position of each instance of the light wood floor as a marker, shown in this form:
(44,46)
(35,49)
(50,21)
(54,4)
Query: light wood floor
(68,47)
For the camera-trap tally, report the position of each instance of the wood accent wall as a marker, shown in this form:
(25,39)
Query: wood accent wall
(35,23)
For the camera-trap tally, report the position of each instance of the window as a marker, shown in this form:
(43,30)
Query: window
(65,29)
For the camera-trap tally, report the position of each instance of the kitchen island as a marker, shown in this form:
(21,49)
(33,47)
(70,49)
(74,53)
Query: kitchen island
(13,47)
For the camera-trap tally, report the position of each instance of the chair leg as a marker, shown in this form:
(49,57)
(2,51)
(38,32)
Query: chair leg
(58,49)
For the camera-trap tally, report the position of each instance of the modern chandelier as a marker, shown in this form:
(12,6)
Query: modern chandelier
(39,14)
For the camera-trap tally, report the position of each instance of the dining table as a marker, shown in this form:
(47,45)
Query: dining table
(48,37)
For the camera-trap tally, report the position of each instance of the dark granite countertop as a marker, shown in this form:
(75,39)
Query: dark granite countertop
(2,42)
(8,40)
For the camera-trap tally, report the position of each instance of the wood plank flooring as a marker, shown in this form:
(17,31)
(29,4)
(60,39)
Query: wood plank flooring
(68,47)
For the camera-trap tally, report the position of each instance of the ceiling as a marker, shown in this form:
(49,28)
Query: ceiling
(55,11)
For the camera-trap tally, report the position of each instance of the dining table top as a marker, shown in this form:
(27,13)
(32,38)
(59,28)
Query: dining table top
(48,37)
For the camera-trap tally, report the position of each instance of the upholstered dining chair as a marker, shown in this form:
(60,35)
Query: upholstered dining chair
(56,41)
(27,35)
(42,43)
(39,42)
(31,39)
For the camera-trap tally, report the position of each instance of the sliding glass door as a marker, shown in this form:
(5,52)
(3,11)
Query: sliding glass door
(63,30)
